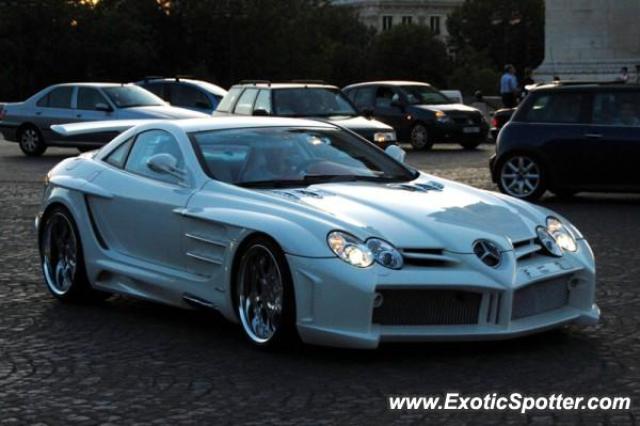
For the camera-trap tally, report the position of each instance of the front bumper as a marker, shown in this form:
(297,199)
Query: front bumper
(336,303)
(9,132)
(455,132)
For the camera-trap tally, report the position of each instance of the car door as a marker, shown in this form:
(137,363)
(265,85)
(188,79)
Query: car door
(560,120)
(388,106)
(142,220)
(54,108)
(614,134)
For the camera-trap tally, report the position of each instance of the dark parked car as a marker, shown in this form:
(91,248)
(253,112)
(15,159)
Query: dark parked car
(29,122)
(569,138)
(196,95)
(303,99)
(419,113)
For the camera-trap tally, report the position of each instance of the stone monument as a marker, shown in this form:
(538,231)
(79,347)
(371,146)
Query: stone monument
(590,39)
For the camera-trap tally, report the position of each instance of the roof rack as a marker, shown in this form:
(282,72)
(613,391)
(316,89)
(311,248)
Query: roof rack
(254,82)
(309,81)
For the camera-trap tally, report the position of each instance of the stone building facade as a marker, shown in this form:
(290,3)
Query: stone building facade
(384,14)
(590,39)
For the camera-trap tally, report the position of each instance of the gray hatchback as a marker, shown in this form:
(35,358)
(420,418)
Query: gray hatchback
(29,122)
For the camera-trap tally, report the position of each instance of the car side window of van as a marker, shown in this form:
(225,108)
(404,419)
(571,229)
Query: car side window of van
(556,108)
(616,108)
(245,103)
(229,100)
(263,101)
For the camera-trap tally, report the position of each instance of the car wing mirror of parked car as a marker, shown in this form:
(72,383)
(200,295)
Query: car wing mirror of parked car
(367,112)
(103,107)
(395,152)
(260,112)
(166,164)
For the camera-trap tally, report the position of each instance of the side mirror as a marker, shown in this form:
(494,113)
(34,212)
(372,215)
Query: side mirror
(261,112)
(397,153)
(367,112)
(165,164)
(101,106)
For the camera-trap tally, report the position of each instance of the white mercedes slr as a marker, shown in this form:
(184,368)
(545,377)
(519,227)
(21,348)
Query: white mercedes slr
(301,229)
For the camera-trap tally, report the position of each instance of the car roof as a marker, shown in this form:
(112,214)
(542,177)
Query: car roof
(570,86)
(205,85)
(388,83)
(287,85)
(90,84)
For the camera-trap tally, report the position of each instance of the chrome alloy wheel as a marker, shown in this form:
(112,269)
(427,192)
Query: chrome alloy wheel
(30,140)
(59,253)
(419,137)
(260,294)
(520,176)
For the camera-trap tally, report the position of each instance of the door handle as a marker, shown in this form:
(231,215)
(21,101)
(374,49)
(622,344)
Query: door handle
(593,135)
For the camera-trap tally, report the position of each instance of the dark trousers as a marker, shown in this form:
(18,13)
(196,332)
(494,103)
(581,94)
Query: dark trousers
(509,100)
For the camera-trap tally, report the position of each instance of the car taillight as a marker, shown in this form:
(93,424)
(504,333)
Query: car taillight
(2,111)
(494,122)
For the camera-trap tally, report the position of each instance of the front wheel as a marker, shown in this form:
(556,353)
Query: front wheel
(62,260)
(31,141)
(264,295)
(420,138)
(522,176)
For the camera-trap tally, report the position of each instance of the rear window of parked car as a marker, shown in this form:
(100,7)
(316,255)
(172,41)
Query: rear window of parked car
(556,108)
(57,98)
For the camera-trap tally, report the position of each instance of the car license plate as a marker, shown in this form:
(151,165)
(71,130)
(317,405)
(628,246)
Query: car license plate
(471,130)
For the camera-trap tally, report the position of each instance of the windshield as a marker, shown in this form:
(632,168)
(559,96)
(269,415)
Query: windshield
(424,95)
(278,157)
(311,102)
(131,96)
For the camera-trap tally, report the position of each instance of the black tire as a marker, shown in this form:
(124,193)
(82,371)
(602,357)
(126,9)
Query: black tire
(56,264)
(247,278)
(31,141)
(514,175)
(419,138)
(470,145)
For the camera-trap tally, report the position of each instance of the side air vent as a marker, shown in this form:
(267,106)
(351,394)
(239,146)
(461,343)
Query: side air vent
(427,257)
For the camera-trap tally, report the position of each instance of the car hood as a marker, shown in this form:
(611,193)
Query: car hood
(358,123)
(460,108)
(162,111)
(427,213)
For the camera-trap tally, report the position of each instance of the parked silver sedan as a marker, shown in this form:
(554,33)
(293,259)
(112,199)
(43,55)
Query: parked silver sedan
(29,122)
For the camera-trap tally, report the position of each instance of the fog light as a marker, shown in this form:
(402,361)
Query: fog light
(377,300)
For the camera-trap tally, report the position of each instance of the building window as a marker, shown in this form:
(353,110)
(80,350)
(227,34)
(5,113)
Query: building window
(387,22)
(406,20)
(435,25)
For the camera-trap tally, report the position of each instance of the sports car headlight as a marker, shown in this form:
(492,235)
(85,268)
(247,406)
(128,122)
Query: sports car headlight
(383,137)
(561,234)
(350,249)
(548,242)
(385,254)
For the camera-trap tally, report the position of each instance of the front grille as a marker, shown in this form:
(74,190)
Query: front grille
(427,307)
(540,297)
(467,120)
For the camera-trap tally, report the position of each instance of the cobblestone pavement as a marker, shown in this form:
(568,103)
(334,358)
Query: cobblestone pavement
(131,362)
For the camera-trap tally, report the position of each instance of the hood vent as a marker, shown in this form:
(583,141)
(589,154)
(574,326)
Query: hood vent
(419,187)
(427,257)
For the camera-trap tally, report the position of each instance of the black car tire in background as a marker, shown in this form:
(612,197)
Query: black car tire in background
(470,145)
(420,138)
(521,175)
(31,141)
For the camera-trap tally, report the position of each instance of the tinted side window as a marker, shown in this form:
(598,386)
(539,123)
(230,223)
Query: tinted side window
(384,96)
(118,156)
(57,98)
(189,97)
(230,99)
(263,101)
(88,98)
(157,89)
(245,103)
(147,145)
(364,97)
(616,109)
(556,108)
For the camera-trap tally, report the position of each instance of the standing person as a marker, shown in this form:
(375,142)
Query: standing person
(624,75)
(526,82)
(509,87)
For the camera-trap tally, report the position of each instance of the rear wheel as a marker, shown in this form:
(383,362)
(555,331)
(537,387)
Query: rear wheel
(31,141)
(62,260)
(522,176)
(420,138)
(264,294)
